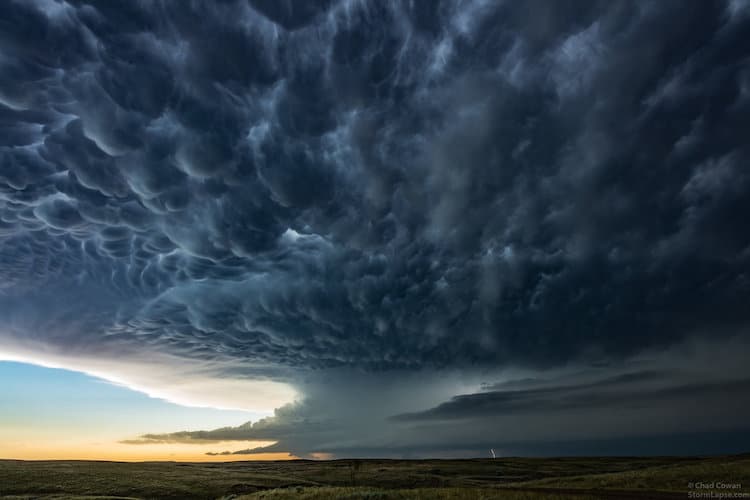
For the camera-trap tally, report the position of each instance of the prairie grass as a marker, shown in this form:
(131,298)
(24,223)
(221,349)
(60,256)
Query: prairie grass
(363,493)
(506,478)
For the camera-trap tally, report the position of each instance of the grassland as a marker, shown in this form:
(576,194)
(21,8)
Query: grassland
(508,478)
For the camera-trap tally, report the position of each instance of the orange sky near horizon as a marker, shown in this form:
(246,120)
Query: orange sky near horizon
(120,452)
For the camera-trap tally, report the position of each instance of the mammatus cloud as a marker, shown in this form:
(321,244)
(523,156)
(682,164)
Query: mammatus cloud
(279,189)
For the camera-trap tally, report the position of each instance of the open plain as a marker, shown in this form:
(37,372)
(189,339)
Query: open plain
(502,478)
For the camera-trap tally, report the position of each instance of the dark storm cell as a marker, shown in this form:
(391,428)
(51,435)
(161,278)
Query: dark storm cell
(59,214)
(113,18)
(291,14)
(114,233)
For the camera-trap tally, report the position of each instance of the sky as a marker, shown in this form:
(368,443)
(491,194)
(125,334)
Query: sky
(256,229)
(50,413)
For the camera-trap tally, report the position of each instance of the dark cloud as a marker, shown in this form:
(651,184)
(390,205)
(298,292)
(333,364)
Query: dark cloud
(645,405)
(603,394)
(291,186)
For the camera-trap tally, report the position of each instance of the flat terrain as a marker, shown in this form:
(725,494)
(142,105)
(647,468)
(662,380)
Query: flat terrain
(503,478)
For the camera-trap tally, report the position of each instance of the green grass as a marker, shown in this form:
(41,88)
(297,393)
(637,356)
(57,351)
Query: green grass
(507,478)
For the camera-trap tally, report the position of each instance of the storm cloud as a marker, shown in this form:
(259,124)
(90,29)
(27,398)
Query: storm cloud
(281,189)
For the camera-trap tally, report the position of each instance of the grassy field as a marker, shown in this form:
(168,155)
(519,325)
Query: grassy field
(507,478)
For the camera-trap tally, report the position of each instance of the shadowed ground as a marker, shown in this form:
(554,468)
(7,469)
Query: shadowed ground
(507,478)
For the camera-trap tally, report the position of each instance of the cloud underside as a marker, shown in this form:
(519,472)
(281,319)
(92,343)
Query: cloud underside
(278,189)
(640,409)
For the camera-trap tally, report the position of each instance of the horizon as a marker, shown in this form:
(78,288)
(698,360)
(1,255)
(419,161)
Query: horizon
(349,228)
